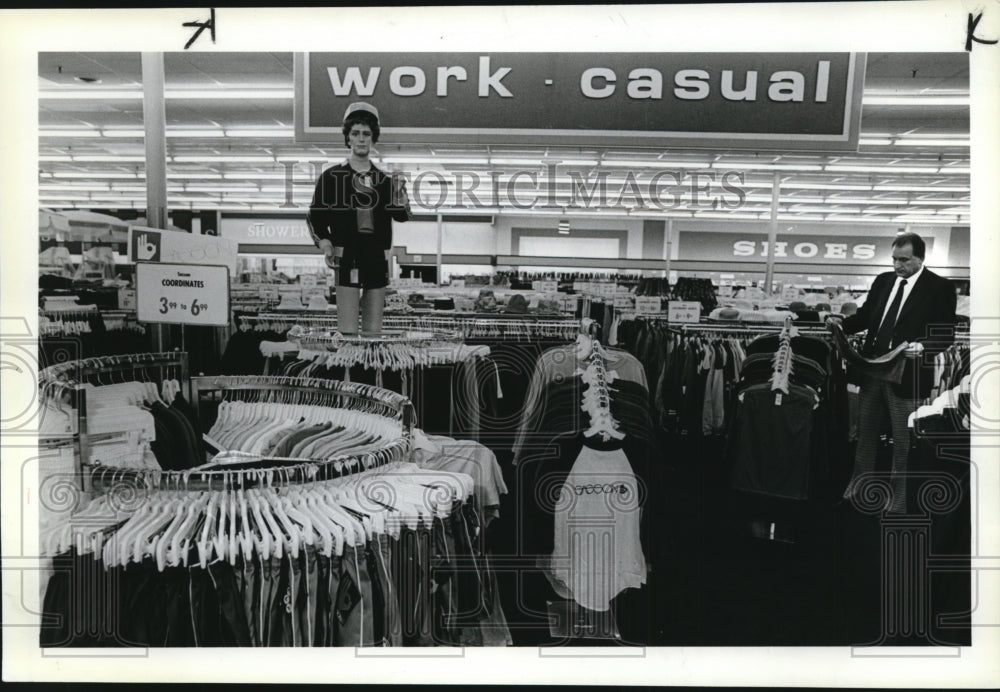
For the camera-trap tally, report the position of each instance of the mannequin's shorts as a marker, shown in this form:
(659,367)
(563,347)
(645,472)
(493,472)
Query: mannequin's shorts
(363,267)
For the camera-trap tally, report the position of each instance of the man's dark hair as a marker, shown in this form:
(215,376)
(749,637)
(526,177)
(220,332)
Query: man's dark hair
(913,240)
(364,118)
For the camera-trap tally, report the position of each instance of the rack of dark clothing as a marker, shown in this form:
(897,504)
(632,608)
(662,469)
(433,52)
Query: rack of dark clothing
(788,427)
(522,280)
(403,572)
(939,488)
(65,387)
(86,332)
(487,412)
(686,288)
(951,365)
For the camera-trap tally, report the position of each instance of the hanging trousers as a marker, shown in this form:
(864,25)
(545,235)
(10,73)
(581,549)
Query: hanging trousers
(877,401)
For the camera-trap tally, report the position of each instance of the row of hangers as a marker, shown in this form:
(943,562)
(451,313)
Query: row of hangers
(515,328)
(782,361)
(167,363)
(519,327)
(269,522)
(307,390)
(597,397)
(255,418)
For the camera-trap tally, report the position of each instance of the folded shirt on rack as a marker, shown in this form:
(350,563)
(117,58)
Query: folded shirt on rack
(888,367)
(464,456)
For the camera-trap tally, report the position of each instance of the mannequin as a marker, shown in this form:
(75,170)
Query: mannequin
(350,219)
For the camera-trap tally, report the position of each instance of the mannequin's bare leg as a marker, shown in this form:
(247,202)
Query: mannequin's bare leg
(372,303)
(347,309)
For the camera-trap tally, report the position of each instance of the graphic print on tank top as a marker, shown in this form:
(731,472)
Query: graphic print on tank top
(596,549)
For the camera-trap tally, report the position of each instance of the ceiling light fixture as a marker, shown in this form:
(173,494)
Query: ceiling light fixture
(111,158)
(723,165)
(222,159)
(260,133)
(69,133)
(657,163)
(902,170)
(96,174)
(191,94)
(914,142)
(867,100)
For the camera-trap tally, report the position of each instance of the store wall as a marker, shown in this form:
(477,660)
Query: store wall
(959,250)
(458,238)
(506,241)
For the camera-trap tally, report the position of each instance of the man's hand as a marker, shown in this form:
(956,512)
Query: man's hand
(830,320)
(331,254)
(914,350)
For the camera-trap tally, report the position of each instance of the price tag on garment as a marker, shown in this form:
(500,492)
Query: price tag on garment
(395,301)
(126,299)
(182,294)
(569,303)
(683,311)
(648,305)
(623,302)
(545,286)
(268,292)
(789,292)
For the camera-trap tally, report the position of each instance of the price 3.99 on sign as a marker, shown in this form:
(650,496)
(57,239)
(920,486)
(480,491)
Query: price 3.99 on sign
(182,294)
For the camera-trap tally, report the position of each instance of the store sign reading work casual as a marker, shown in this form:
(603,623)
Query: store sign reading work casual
(745,100)
(753,247)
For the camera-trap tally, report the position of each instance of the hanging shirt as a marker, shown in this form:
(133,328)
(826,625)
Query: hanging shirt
(596,548)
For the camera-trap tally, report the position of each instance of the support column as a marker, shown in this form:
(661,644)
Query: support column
(668,248)
(440,239)
(154,122)
(772,233)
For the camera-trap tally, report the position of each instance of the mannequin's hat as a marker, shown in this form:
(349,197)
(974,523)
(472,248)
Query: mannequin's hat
(361,107)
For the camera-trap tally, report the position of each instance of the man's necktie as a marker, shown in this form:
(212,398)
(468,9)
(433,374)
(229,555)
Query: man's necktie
(883,340)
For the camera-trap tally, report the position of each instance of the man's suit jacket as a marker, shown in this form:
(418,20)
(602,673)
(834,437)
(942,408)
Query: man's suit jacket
(927,316)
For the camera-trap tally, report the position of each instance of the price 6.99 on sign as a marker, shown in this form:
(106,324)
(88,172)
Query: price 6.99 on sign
(182,294)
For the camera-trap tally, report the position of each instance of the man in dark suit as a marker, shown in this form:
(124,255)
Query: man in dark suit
(911,304)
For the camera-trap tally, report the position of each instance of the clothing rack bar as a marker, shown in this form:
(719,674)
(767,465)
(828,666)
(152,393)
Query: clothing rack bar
(276,473)
(70,379)
(749,329)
